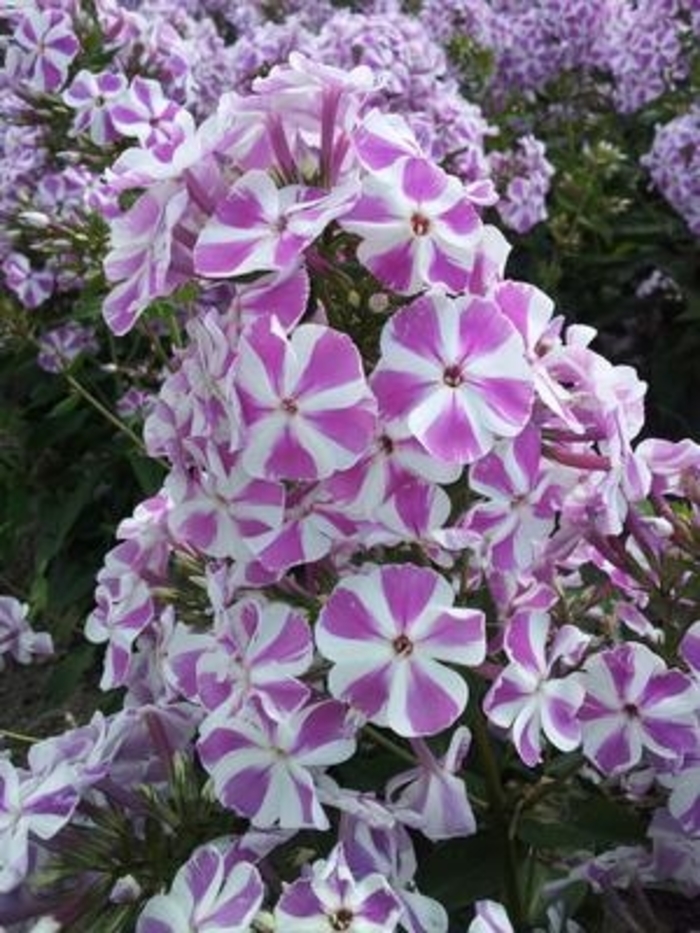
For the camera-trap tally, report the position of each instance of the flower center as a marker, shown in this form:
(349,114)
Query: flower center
(341,920)
(403,646)
(420,225)
(631,710)
(386,445)
(452,376)
(290,405)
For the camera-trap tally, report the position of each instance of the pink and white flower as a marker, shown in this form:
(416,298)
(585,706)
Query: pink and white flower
(387,632)
(634,704)
(209,894)
(306,405)
(263,768)
(41,50)
(526,698)
(417,225)
(455,368)
(333,899)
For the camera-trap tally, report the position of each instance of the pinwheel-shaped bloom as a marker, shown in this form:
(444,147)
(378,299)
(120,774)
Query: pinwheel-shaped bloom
(262,228)
(455,368)
(305,401)
(146,113)
(260,650)
(633,702)
(260,766)
(16,635)
(387,632)
(519,513)
(418,227)
(41,50)
(333,899)
(526,697)
(207,896)
(92,96)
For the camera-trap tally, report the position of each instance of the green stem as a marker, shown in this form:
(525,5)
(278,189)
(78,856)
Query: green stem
(104,411)
(18,736)
(379,739)
(499,807)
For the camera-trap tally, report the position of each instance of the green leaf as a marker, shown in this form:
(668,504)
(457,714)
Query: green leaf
(461,871)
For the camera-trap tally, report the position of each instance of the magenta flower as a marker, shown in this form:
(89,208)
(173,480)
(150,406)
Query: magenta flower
(305,401)
(41,50)
(207,896)
(519,513)
(455,368)
(146,113)
(386,633)
(262,228)
(333,899)
(224,510)
(261,766)
(526,698)
(634,703)
(417,225)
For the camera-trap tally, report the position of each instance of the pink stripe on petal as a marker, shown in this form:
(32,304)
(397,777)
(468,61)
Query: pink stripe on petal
(422,181)
(394,267)
(435,697)
(407,590)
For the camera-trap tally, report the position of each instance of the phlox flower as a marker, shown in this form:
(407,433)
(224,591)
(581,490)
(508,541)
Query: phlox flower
(92,96)
(41,50)
(431,797)
(39,805)
(306,405)
(634,703)
(386,632)
(261,649)
(31,286)
(387,848)
(223,510)
(526,698)
(141,250)
(455,368)
(333,899)
(208,895)
(145,112)
(521,499)
(262,767)
(17,639)
(261,228)
(417,227)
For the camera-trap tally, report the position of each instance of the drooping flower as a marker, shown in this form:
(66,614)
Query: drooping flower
(387,632)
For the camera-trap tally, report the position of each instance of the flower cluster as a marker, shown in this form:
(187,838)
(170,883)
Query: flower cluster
(406,507)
